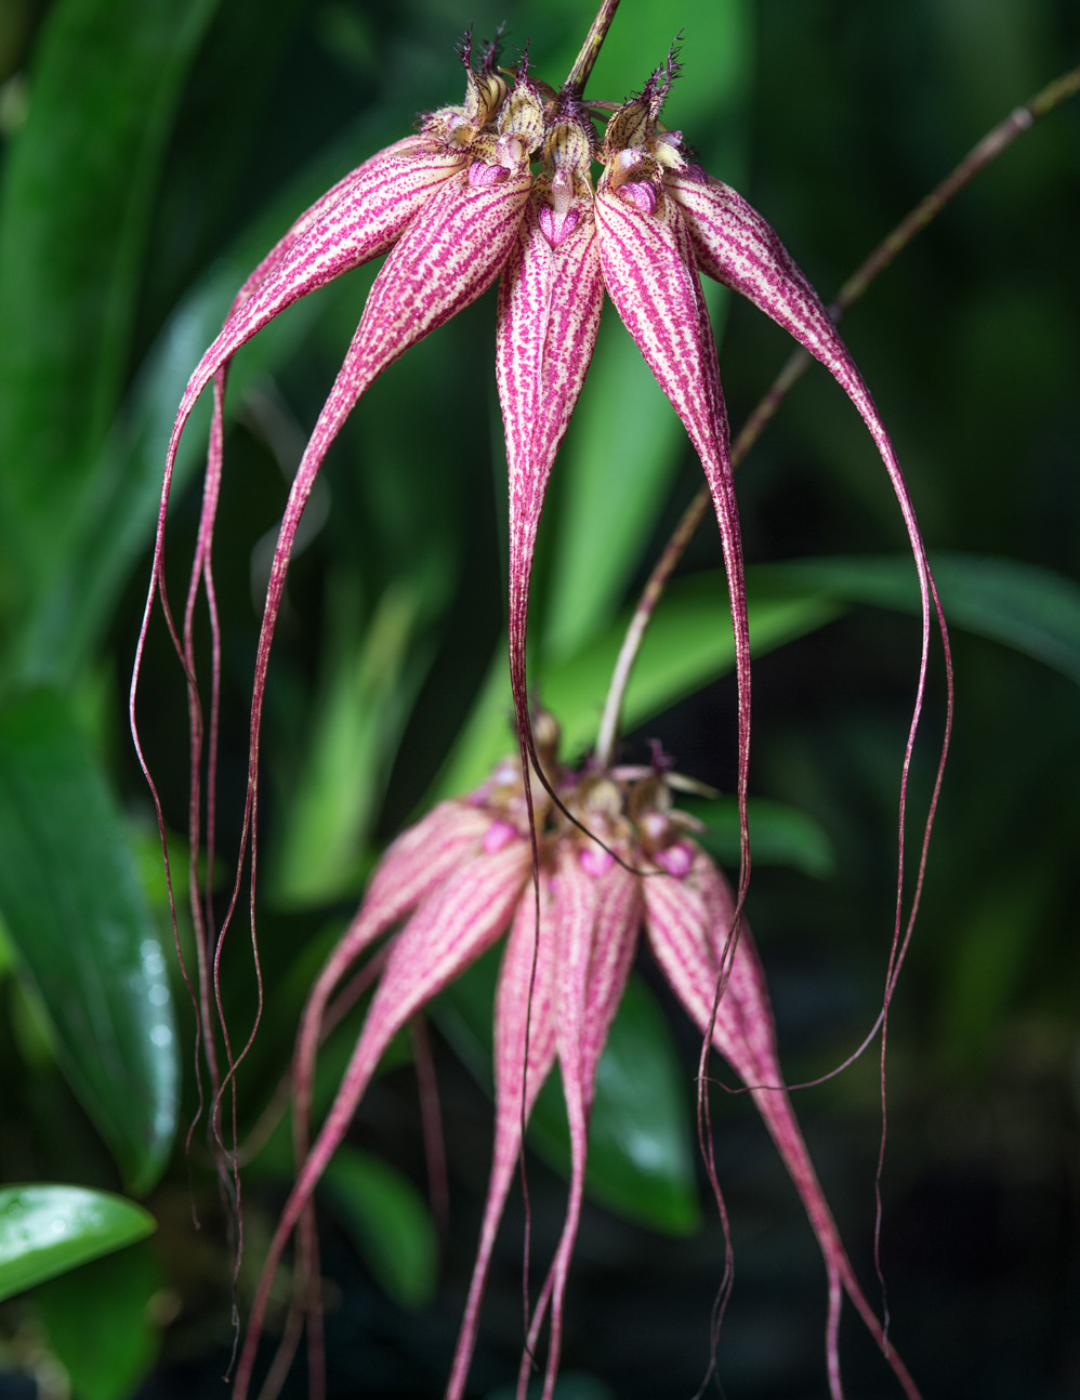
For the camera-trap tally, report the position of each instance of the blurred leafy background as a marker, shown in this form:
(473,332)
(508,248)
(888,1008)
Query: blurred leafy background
(151,151)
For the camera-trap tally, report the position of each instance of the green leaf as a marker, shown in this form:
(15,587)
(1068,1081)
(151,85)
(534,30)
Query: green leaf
(78,187)
(781,835)
(640,1137)
(372,676)
(99,1325)
(688,644)
(389,1223)
(1023,606)
(115,518)
(77,917)
(46,1230)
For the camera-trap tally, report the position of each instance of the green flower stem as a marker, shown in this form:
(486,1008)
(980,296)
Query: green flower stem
(1021,119)
(590,49)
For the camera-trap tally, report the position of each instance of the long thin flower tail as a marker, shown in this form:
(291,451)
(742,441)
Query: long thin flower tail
(599,911)
(411,868)
(550,297)
(524,1016)
(460,920)
(650,272)
(734,245)
(686,922)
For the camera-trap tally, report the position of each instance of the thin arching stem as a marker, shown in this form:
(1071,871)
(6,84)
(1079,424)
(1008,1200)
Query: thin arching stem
(980,156)
(590,49)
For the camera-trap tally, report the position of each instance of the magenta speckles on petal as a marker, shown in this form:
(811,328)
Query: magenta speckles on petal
(482,175)
(555,227)
(640,193)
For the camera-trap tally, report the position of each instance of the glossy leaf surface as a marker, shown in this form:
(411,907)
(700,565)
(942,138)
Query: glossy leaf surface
(77,916)
(46,1230)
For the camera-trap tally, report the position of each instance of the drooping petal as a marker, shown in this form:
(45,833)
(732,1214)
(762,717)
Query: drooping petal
(359,219)
(523,1009)
(457,922)
(419,860)
(735,245)
(356,221)
(651,275)
(550,298)
(598,919)
(686,922)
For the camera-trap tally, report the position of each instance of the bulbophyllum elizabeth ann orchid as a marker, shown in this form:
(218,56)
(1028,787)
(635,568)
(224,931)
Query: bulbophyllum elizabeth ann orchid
(506,186)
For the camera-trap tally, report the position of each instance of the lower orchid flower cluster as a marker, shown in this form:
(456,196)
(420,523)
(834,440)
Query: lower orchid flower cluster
(615,861)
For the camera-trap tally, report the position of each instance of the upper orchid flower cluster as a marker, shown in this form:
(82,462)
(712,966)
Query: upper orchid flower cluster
(505,186)
(462,878)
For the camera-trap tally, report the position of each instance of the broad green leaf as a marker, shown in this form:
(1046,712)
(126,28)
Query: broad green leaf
(77,192)
(640,1138)
(389,1223)
(1023,606)
(781,835)
(99,1325)
(46,1230)
(77,917)
(688,644)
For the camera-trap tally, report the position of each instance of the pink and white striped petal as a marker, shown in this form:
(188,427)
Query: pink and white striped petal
(411,868)
(441,264)
(650,273)
(459,921)
(523,1009)
(686,922)
(598,921)
(550,297)
(735,245)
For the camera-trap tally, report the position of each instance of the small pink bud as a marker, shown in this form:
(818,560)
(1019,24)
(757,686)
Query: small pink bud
(498,835)
(482,175)
(555,227)
(641,194)
(596,862)
(676,860)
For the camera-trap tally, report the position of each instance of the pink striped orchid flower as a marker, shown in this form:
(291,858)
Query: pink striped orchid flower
(504,187)
(462,878)
(457,206)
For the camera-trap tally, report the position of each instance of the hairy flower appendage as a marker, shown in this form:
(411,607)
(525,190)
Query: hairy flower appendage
(504,186)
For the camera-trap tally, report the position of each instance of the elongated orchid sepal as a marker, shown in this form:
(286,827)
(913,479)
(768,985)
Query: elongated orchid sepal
(550,298)
(524,1013)
(599,913)
(651,275)
(422,858)
(736,246)
(686,921)
(457,923)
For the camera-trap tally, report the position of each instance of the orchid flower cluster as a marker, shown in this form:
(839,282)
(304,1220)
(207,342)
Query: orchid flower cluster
(616,859)
(573,864)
